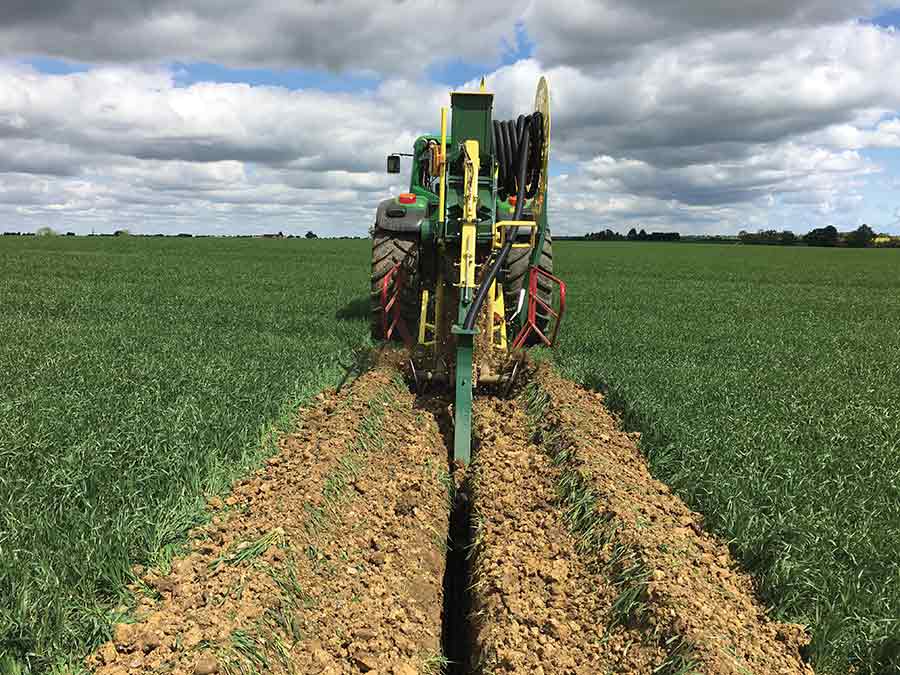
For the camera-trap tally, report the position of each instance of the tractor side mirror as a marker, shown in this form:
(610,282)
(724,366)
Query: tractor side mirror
(393,163)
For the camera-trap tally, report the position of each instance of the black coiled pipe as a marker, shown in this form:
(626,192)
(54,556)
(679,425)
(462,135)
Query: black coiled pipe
(517,146)
(510,149)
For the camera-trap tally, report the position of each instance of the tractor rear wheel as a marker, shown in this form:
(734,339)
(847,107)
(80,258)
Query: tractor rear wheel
(516,269)
(388,250)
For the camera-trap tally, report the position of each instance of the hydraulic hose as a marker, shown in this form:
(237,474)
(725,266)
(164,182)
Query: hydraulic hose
(518,148)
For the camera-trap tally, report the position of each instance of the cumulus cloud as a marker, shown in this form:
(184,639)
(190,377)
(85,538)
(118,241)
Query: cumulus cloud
(760,124)
(112,140)
(691,115)
(724,92)
(340,35)
(579,32)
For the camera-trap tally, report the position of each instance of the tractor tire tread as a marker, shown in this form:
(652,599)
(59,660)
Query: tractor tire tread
(389,249)
(516,270)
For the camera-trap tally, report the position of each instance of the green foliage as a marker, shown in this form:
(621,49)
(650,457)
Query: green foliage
(137,376)
(822,236)
(45,232)
(768,237)
(861,237)
(766,383)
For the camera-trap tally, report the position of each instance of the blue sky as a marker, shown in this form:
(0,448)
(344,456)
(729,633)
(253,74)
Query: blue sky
(263,117)
(887,19)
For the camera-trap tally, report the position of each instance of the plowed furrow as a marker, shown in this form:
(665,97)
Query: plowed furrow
(376,576)
(565,555)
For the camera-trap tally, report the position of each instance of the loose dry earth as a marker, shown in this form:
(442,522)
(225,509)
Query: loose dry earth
(328,560)
(355,551)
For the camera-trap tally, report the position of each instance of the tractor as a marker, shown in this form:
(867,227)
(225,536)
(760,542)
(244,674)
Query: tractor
(462,263)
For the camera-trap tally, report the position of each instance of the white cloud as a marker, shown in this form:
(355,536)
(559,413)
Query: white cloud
(116,144)
(357,35)
(699,116)
(590,32)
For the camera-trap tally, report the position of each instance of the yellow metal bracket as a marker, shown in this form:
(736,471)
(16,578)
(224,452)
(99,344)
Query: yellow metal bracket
(497,310)
(424,326)
(443,173)
(470,215)
(501,226)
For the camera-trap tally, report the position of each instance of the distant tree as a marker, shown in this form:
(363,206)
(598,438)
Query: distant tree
(121,233)
(822,236)
(787,238)
(768,237)
(45,232)
(605,235)
(311,235)
(664,236)
(642,235)
(632,234)
(861,237)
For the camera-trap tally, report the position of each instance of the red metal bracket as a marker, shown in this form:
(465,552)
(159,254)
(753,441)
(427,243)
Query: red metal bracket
(391,318)
(534,301)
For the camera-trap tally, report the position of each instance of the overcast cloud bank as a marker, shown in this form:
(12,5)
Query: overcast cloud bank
(692,116)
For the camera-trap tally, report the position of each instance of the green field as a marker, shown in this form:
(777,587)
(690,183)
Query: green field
(136,375)
(766,381)
(140,374)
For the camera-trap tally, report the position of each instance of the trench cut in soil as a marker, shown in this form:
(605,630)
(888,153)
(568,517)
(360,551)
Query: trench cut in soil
(456,633)
(362,548)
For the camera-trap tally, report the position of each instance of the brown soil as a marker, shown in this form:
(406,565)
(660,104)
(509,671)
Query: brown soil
(328,560)
(691,591)
(334,557)
(539,606)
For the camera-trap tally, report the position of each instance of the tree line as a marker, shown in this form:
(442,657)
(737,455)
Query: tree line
(862,237)
(633,235)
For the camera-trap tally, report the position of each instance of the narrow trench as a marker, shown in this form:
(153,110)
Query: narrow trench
(456,633)
(456,629)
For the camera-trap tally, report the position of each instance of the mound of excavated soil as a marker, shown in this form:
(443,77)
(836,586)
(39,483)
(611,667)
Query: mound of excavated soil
(540,607)
(688,589)
(351,551)
(328,560)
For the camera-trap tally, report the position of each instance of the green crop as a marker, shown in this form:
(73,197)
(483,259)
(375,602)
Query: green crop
(136,376)
(766,382)
(139,375)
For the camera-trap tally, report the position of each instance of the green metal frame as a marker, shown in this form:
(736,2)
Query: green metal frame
(471,119)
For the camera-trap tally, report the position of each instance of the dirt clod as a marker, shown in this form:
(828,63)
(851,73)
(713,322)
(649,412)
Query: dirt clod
(108,652)
(206,664)
(335,557)
(309,563)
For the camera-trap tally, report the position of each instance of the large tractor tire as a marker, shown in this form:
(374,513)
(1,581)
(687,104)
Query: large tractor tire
(516,270)
(388,249)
